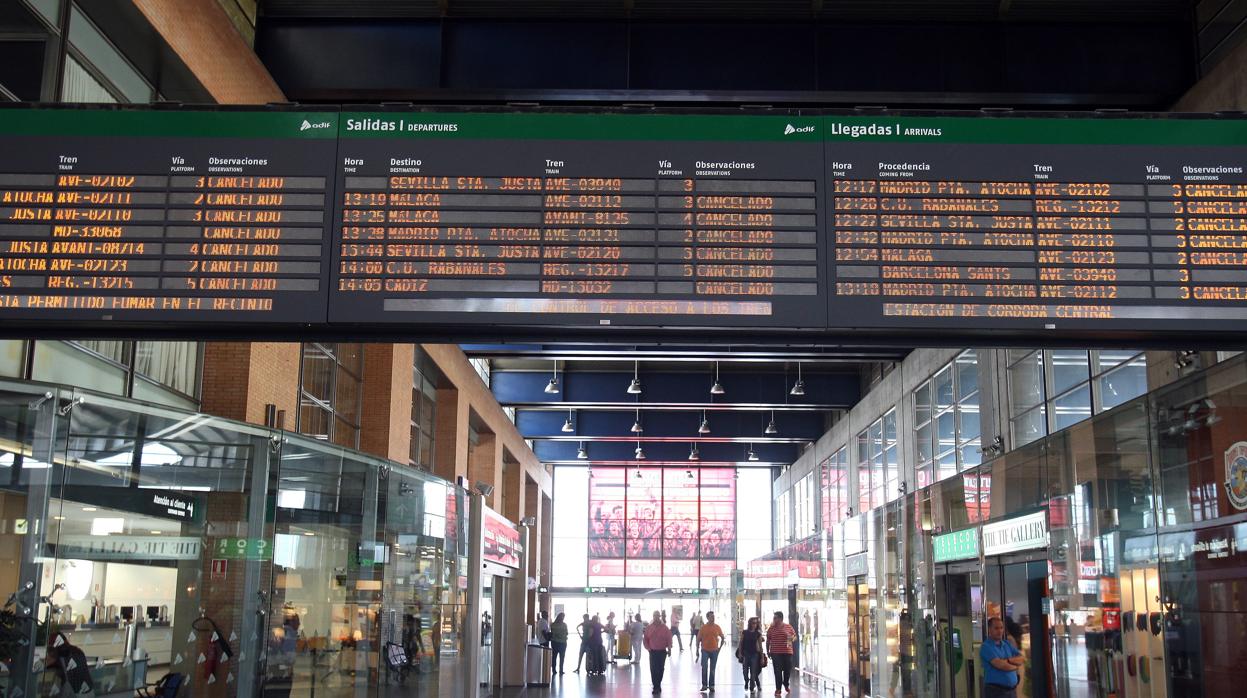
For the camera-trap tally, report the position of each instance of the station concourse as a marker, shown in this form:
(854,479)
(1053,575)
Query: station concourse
(461,348)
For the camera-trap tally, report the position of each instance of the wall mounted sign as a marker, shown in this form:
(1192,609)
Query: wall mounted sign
(856,565)
(1019,533)
(503,544)
(128,548)
(957,545)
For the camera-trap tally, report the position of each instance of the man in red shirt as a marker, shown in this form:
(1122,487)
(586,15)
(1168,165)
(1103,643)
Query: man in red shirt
(657,639)
(779,639)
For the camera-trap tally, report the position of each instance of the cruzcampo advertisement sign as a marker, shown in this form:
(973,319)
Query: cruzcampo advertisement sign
(957,545)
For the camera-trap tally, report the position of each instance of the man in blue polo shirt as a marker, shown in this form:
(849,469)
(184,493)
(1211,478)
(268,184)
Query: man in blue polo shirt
(1001,661)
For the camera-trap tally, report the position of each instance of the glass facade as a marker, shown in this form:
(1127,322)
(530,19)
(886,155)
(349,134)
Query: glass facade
(247,559)
(1111,550)
(330,392)
(1050,390)
(946,418)
(167,373)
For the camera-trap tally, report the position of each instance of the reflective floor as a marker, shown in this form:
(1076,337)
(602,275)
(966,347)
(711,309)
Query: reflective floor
(681,680)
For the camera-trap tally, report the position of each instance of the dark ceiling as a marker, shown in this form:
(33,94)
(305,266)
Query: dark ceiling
(1054,54)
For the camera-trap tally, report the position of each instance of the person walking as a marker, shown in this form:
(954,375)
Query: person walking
(779,639)
(658,641)
(1001,661)
(711,638)
(750,654)
(583,631)
(610,637)
(636,629)
(694,624)
(675,628)
(558,642)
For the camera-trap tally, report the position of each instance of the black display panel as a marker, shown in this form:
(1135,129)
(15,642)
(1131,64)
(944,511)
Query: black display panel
(164,218)
(508,222)
(575,219)
(1090,225)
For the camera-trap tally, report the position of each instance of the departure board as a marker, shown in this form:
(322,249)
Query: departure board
(504,220)
(118,216)
(579,219)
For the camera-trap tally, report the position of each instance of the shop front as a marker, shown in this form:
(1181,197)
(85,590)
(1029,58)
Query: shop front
(245,561)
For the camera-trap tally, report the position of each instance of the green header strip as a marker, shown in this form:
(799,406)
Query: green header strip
(958,545)
(608,126)
(162,123)
(1043,131)
(594,127)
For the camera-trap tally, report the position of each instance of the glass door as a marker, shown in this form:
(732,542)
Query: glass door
(958,597)
(1017,593)
(859,638)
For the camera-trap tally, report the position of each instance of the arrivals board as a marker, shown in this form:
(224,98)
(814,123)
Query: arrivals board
(165,217)
(812,222)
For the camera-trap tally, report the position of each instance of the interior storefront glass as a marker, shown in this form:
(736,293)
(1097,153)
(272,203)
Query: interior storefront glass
(242,560)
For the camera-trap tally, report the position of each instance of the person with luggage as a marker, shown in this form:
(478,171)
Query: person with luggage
(582,630)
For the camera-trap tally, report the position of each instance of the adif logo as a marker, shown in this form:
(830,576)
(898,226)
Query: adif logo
(790,129)
(309,125)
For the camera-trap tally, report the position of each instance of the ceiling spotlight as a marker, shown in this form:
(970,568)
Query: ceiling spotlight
(638,454)
(553,386)
(693,454)
(770,427)
(636,424)
(582,453)
(568,427)
(717,388)
(634,388)
(705,424)
(751,456)
(798,388)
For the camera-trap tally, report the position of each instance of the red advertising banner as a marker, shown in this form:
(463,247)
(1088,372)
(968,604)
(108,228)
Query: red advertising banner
(503,544)
(665,524)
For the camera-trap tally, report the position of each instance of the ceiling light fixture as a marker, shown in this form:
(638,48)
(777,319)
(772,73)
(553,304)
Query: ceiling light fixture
(692,452)
(770,427)
(567,424)
(751,456)
(798,388)
(717,388)
(639,454)
(690,474)
(553,386)
(705,424)
(636,424)
(634,388)
(582,453)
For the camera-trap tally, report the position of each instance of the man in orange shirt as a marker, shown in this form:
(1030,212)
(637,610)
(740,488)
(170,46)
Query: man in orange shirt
(711,636)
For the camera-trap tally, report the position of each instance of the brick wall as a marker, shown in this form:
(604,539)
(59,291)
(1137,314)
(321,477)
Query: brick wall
(206,40)
(385,420)
(240,378)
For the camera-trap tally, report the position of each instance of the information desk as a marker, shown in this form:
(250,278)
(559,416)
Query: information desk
(812,223)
